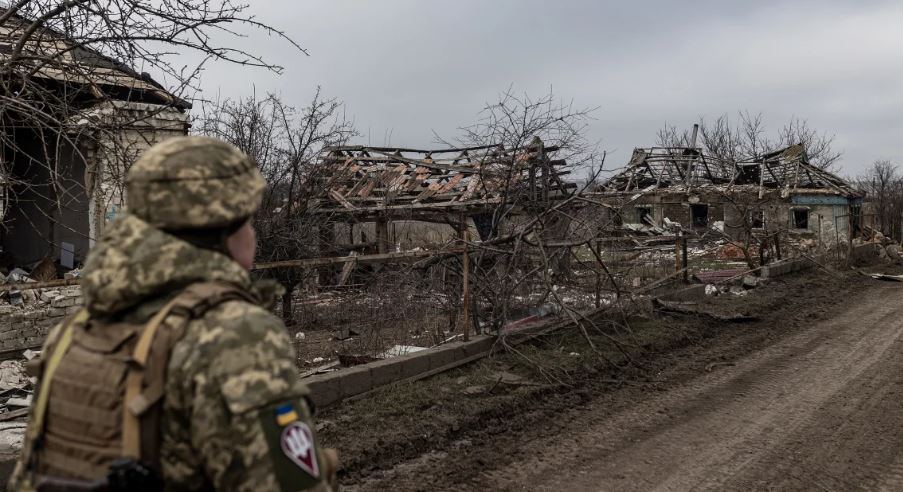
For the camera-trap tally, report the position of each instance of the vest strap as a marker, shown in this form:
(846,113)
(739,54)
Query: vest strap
(59,350)
(131,423)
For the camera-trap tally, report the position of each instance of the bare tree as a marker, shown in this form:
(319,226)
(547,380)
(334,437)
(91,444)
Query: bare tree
(285,142)
(884,187)
(747,138)
(539,248)
(78,102)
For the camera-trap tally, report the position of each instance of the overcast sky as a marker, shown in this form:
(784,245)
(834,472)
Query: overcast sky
(406,68)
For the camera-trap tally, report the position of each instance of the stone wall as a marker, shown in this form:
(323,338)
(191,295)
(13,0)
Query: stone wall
(25,323)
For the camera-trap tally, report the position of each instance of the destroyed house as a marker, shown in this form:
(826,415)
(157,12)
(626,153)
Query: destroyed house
(779,191)
(390,199)
(72,122)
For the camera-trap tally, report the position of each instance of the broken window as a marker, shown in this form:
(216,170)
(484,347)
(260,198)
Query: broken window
(700,215)
(856,218)
(757,219)
(644,214)
(800,218)
(749,173)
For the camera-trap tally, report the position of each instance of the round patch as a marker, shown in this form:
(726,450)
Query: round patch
(298,445)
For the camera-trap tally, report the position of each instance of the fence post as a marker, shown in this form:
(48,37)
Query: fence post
(598,274)
(465,274)
(683,250)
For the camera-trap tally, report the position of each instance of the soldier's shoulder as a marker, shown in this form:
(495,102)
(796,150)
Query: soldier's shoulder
(233,324)
(241,351)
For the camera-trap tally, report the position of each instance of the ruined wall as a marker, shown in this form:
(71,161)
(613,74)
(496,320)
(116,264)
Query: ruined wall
(137,126)
(81,187)
(403,234)
(48,203)
(828,215)
(26,322)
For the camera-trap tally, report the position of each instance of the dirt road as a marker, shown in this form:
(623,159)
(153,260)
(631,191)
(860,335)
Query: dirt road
(821,409)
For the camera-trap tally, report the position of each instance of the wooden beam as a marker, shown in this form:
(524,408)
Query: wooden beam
(375,258)
(39,285)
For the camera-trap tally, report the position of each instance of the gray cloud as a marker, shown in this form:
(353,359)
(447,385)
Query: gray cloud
(407,67)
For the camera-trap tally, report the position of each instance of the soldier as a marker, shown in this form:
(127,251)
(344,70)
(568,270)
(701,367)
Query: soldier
(173,376)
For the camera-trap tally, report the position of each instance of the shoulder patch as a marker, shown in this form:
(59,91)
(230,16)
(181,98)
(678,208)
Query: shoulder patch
(298,445)
(292,444)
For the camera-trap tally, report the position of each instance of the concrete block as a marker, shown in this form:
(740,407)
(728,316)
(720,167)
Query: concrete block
(442,356)
(324,389)
(692,293)
(414,364)
(478,345)
(384,372)
(354,381)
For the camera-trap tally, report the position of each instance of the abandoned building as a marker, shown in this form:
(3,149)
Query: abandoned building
(778,192)
(380,194)
(72,122)
(383,204)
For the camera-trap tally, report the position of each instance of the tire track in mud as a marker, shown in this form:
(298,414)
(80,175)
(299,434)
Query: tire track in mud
(817,410)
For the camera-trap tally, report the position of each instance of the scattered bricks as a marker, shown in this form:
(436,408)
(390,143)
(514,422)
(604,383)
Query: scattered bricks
(49,295)
(6,309)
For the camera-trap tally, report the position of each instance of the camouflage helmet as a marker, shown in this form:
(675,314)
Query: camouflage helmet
(193,183)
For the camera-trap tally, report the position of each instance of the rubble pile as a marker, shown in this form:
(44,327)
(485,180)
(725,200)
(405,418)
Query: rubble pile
(16,393)
(873,246)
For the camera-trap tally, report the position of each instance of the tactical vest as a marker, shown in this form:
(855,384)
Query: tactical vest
(102,384)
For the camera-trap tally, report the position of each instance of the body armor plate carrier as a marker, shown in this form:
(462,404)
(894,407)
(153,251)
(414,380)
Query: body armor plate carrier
(101,391)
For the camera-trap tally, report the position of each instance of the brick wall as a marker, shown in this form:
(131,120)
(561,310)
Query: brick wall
(26,324)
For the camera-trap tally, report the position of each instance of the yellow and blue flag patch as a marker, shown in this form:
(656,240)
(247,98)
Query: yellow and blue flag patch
(286,414)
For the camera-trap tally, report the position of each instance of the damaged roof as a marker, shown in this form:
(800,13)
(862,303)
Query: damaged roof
(50,55)
(361,179)
(684,168)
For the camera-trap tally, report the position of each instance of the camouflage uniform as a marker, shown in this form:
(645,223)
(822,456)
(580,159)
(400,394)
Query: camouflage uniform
(232,384)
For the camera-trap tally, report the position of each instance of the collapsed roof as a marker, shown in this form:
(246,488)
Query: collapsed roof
(684,168)
(51,56)
(366,180)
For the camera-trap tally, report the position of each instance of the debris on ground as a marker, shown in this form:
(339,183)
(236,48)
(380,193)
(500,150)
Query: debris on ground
(882,276)
(16,393)
(689,309)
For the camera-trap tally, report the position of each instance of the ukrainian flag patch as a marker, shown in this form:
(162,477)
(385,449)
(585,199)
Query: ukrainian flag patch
(286,414)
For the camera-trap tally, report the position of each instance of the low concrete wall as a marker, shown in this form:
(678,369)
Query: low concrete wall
(330,388)
(691,293)
(785,267)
